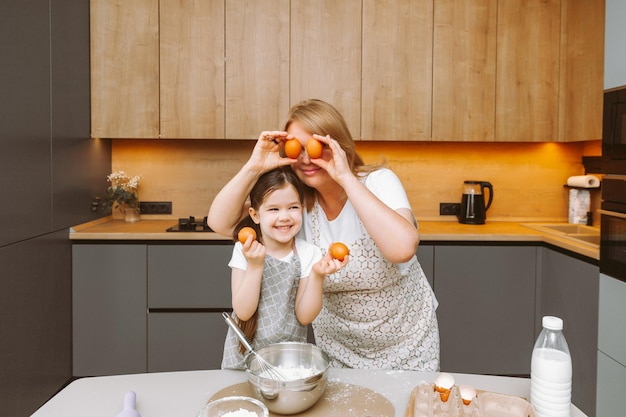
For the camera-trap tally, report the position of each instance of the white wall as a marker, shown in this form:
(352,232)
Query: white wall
(614,47)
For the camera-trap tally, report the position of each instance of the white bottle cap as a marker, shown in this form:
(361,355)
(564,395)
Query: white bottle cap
(552,323)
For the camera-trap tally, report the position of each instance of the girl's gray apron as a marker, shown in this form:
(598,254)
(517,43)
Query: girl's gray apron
(277,320)
(374,316)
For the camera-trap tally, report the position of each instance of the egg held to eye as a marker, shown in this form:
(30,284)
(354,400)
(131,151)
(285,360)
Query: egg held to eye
(314,148)
(339,251)
(293,147)
(244,233)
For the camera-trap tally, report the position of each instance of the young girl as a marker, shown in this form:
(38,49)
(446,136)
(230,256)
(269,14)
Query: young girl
(277,280)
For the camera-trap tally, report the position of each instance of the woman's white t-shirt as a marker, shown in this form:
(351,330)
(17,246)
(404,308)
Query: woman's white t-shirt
(384,184)
(308,253)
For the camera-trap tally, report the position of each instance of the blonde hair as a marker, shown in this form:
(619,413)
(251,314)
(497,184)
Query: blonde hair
(317,116)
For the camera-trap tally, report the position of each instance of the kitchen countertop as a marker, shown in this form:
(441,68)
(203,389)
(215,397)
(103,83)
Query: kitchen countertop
(185,393)
(430,231)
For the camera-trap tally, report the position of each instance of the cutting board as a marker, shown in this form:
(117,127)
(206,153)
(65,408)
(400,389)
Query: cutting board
(339,399)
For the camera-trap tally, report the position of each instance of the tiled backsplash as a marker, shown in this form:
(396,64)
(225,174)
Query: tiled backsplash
(527,178)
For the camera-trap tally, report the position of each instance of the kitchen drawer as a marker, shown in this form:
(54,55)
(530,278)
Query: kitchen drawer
(185,341)
(189,276)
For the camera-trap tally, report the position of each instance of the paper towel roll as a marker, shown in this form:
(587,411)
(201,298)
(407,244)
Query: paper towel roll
(583,181)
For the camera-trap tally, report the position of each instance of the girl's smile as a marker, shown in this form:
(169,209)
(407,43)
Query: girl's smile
(279,217)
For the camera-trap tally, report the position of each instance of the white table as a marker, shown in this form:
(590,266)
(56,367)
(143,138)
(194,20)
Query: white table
(182,394)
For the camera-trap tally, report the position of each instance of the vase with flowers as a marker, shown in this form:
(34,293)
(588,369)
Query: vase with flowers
(121,197)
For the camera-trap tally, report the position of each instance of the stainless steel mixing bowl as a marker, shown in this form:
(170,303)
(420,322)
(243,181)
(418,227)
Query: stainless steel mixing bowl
(297,392)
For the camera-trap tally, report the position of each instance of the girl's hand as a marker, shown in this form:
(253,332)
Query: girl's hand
(328,265)
(266,153)
(254,251)
(337,167)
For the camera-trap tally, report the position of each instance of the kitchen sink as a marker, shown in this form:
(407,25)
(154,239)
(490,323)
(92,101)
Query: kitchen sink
(579,233)
(594,239)
(570,228)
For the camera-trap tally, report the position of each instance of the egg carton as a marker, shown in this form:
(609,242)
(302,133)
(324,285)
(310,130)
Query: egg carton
(425,401)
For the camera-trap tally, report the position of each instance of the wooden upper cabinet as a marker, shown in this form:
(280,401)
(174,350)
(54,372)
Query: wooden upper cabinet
(443,70)
(464,70)
(527,73)
(325,56)
(192,68)
(582,70)
(124,68)
(257,66)
(397,70)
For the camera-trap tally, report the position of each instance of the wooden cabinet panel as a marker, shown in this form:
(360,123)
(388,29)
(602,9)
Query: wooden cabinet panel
(257,66)
(192,68)
(581,70)
(527,73)
(397,70)
(325,57)
(124,68)
(464,70)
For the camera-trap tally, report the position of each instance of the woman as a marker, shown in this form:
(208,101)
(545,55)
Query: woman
(379,310)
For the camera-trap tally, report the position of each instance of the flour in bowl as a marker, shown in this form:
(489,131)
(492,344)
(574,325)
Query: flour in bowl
(291,374)
(240,413)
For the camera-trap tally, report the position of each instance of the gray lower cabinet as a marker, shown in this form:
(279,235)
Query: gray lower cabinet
(109,309)
(611,348)
(426,257)
(188,288)
(185,341)
(486,307)
(149,307)
(569,289)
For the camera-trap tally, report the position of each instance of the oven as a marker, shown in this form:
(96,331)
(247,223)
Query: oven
(613,227)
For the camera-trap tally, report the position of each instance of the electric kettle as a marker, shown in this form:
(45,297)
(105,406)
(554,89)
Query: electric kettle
(473,209)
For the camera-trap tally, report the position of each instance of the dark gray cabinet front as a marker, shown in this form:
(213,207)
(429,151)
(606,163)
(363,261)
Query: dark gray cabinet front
(189,276)
(570,290)
(149,307)
(486,308)
(188,288)
(109,309)
(185,341)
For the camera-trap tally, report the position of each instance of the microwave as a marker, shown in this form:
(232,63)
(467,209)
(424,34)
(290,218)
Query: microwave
(614,131)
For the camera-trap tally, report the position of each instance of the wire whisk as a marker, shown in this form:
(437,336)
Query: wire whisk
(267,369)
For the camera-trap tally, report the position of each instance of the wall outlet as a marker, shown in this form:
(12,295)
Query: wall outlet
(155,207)
(449,209)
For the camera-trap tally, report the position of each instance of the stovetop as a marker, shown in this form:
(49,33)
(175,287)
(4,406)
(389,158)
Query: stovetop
(190,224)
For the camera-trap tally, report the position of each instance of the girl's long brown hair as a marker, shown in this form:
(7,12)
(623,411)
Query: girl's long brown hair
(269,182)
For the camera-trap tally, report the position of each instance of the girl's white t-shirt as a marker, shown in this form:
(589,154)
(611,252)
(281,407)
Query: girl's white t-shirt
(384,184)
(308,253)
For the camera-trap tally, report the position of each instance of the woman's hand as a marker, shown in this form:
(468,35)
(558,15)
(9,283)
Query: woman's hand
(337,166)
(229,205)
(266,153)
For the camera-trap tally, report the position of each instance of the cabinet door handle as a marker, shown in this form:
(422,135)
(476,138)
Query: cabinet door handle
(613,213)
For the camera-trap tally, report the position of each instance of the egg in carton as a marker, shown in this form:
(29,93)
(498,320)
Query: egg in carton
(444,399)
